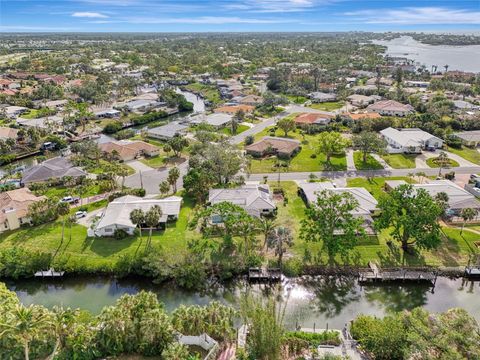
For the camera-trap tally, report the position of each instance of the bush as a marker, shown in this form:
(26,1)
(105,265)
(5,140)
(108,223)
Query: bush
(112,127)
(149,117)
(120,234)
(315,339)
(313,156)
(124,134)
(7,159)
(19,262)
(249,140)
(292,267)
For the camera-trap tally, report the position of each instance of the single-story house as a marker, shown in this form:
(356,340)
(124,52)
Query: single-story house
(8,133)
(235,108)
(117,214)
(361,100)
(469,138)
(128,150)
(256,200)
(362,116)
(458,198)
(252,100)
(465,105)
(313,119)
(409,140)
(319,97)
(14,206)
(269,145)
(107,114)
(56,104)
(391,108)
(139,105)
(54,123)
(13,111)
(167,131)
(367,204)
(55,168)
(217,120)
(420,84)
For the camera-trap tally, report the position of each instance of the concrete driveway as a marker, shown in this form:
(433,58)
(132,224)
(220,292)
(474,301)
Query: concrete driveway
(138,166)
(87,220)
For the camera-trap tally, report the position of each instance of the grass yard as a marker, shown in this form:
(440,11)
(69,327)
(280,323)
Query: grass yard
(370,164)
(209,92)
(100,169)
(432,162)
(296,99)
(472,155)
(454,251)
(307,160)
(60,192)
(375,186)
(99,254)
(400,161)
(240,129)
(328,106)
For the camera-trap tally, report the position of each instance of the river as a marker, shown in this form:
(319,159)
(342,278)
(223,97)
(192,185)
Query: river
(464,58)
(318,301)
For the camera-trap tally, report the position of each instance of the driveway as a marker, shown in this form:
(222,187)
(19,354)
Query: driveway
(350,161)
(381,161)
(461,161)
(421,160)
(138,166)
(87,220)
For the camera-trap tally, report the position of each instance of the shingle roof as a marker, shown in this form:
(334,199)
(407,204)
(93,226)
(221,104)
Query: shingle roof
(216,119)
(407,137)
(54,168)
(169,130)
(281,145)
(8,133)
(389,105)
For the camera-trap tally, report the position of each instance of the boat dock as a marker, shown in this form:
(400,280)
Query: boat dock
(377,275)
(50,273)
(264,275)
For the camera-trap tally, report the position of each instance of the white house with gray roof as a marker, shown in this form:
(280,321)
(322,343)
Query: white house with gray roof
(217,120)
(255,199)
(167,131)
(409,140)
(117,214)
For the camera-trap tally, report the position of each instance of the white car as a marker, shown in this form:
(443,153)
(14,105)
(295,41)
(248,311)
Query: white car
(80,214)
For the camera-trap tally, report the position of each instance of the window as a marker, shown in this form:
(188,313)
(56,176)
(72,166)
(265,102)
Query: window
(108,230)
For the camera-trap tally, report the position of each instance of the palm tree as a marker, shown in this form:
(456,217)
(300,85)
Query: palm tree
(63,209)
(442,200)
(137,217)
(442,161)
(164,187)
(62,321)
(152,217)
(173,175)
(266,226)
(467,214)
(446,67)
(27,324)
(279,239)
(122,172)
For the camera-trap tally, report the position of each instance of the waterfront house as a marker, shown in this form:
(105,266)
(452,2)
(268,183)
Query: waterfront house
(14,207)
(167,131)
(52,169)
(126,150)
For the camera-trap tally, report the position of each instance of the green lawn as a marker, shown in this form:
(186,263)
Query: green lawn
(307,160)
(374,185)
(432,162)
(297,99)
(454,251)
(60,192)
(209,92)
(370,164)
(240,129)
(328,106)
(100,168)
(99,254)
(400,161)
(467,153)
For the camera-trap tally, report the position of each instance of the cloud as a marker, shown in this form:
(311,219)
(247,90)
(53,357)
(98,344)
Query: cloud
(212,20)
(21,28)
(87,14)
(273,6)
(417,16)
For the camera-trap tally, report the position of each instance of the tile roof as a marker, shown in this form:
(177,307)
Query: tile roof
(278,144)
(19,200)
(234,108)
(126,148)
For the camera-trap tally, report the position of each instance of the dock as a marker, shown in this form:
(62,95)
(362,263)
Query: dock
(374,274)
(264,275)
(50,273)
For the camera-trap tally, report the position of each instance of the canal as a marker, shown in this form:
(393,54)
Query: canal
(317,301)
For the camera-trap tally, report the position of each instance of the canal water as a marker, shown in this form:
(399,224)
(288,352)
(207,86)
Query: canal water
(319,302)
(464,58)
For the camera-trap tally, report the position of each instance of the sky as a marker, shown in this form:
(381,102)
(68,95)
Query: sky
(238,15)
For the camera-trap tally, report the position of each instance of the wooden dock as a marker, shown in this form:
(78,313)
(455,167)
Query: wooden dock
(264,275)
(377,275)
(50,273)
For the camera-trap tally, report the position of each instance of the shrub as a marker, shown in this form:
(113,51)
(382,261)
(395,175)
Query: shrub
(249,140)
(149,117)
(120,234)
(124,134)
(292,267)
(315,339)
(112,127)
(313,156)
(18,262)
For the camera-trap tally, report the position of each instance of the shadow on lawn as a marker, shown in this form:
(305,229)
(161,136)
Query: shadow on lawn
(107,246)
(395,256)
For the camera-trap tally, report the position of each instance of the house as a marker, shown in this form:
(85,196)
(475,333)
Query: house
(312,119)
(13,111)
(232,109)
(268,145)
(217,120)
(256,200)
(117,214)
(458,198)
(167,131)
(14,207)
(56,104)
(409,140)
(8,133)
(54,168)
(367,204)
(320,97)
(140,105)
(390,108)
(361,100)
(126,150)
(107,114)
(465,105)
(53,123)
(252,100)
(469,138)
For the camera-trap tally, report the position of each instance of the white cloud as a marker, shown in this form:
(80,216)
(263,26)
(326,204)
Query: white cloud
(274,6)
(213,20)
(417,16)
(88,14)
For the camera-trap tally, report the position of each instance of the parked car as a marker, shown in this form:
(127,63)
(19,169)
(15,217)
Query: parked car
(80,214)
(474,177)
(70,200)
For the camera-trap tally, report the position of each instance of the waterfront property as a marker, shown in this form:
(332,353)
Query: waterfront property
(126,150)
(256,200)
(168,131)
(14,207)
(8,133)
(52,169)
(117,214)
(216,120)
(410,140)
